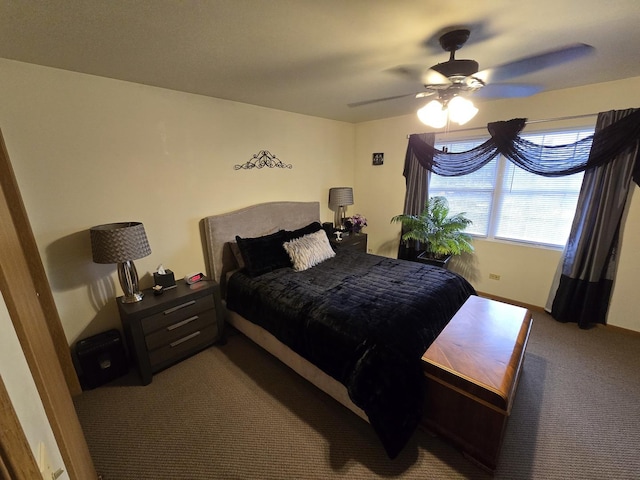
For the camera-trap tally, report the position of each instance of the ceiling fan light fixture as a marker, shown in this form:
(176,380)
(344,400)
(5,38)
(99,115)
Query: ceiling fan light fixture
(454,78)
(461,110)
(436,113)
(433,114)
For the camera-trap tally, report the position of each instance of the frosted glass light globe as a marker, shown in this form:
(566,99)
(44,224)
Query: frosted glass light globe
(433,114)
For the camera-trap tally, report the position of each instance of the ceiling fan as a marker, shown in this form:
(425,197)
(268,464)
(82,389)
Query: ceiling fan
(456,77)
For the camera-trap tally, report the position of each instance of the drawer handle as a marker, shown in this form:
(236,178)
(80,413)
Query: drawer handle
(184,339)
(175,309)
(182,323)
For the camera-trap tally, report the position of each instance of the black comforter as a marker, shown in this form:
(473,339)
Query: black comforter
(363,319)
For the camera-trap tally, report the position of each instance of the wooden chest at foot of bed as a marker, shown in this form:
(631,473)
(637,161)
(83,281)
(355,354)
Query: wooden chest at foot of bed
(472,371)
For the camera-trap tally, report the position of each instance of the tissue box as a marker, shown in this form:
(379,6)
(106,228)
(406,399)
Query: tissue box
(165,280)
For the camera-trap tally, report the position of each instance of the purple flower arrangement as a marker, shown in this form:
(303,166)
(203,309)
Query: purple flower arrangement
(356,223)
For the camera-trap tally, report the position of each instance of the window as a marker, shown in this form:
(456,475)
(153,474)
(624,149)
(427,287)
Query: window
(508,203)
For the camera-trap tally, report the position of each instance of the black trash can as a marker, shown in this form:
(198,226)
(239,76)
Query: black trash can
(102,358)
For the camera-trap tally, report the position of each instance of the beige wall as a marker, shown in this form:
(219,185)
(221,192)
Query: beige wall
(88,150)
(526,272)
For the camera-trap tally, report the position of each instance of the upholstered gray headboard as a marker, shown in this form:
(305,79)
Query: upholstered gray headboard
(254,221)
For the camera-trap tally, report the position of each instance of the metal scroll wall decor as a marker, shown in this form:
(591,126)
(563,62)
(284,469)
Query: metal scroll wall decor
(263,158)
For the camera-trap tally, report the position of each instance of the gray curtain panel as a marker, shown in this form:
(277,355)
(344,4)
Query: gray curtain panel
(588,265)
(417,182)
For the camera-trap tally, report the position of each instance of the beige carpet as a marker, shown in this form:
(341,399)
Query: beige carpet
(235,412)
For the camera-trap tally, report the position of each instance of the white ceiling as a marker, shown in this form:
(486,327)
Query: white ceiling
(314,56)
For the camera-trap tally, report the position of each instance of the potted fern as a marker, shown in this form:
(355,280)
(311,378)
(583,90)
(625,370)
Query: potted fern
(441,235)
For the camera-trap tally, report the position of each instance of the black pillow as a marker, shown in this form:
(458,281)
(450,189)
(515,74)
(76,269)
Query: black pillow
(300,232)
(264,254)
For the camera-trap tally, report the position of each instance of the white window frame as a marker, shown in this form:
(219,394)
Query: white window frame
(498,185)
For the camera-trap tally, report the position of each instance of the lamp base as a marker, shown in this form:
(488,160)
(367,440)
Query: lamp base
(340,215)
(136,297)
(128,276)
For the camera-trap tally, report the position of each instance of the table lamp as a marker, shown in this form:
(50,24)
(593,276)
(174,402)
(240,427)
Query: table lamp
(121,243)
(339,198)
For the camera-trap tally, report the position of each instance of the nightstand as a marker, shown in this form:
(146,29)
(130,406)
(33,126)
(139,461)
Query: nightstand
(357,241)
(162,330)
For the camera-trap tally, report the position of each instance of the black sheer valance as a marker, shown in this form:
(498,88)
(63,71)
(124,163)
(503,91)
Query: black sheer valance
(549,161)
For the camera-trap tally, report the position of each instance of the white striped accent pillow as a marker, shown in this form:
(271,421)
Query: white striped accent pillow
(309,250)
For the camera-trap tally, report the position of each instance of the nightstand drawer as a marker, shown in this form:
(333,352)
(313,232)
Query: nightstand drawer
(176,313)
(183,346)
(359,243)
(180,329)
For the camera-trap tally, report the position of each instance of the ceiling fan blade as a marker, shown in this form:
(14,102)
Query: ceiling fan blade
(376,100)
(431,77)
(507,90)
(417,73)
(534,63)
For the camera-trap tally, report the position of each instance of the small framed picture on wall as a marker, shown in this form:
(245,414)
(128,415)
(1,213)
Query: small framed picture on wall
(378,158)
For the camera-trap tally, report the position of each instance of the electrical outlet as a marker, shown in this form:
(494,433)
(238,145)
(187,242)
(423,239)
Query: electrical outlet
(494,276)
(44,464)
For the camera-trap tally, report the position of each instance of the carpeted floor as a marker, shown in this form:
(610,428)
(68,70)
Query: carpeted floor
(235,412)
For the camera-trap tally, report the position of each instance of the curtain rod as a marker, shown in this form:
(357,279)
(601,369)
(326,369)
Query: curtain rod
(556,119)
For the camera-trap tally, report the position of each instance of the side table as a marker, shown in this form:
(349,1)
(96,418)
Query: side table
(162,330)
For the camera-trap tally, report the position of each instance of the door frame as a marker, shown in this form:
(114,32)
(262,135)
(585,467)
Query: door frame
(16,458)
(30,304)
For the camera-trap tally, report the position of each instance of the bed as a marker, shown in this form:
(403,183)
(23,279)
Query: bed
(440,356)
(322,322)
